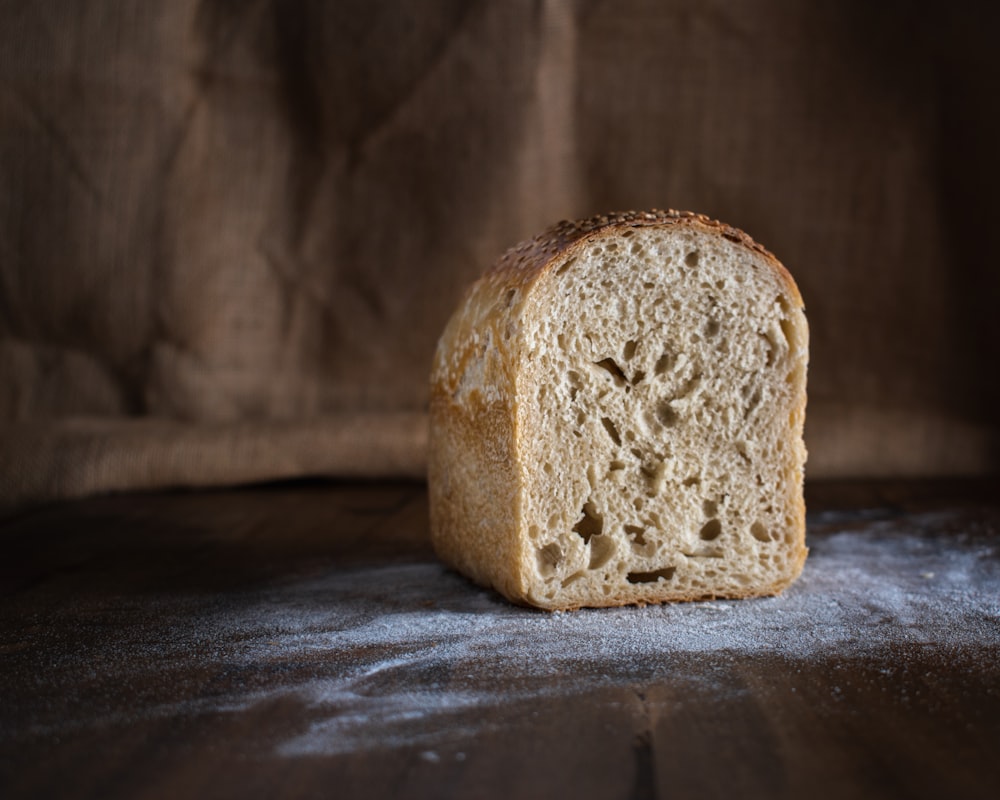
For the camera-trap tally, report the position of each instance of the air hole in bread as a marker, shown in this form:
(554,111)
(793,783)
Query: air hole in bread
(666,415)
(795,377)
(690,387)
(654,474)
(769,357)
(711,327)
(711,508)
(612,368)
(549,558)
(590,524)
(706,552)
(710,530)
(602,550)
(572,578)
(616,465)
(609,426)
(653,576)
(788,331)
(575,384)
(628,351)
(663,364)
(637,532)
(565,266)
(691,259)
(759,532)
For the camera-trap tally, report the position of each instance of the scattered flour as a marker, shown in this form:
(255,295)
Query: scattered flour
(413,655)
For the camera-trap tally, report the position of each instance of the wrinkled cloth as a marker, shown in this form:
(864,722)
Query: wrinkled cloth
(230,231)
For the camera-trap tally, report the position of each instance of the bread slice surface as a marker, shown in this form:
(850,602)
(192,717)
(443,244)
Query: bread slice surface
(616,417)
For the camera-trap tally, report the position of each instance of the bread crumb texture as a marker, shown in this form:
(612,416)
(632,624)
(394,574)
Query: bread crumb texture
(616,417)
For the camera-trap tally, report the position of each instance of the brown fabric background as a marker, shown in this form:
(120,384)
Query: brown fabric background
(231,232)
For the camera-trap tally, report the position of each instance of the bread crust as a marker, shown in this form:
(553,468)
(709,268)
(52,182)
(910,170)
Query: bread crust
(475,473)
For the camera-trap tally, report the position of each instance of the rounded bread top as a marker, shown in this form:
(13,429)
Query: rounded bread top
(537,253)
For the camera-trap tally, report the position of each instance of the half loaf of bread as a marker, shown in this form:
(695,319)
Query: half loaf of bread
(616,417)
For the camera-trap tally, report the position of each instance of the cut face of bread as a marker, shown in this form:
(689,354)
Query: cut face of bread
(617,418)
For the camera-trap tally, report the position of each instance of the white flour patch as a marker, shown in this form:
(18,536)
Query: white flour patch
(397,719)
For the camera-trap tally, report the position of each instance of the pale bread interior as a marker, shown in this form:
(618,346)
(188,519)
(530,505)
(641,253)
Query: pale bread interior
(659,422)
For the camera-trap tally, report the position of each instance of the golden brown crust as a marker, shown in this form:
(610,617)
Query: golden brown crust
(533,255)
(475,498)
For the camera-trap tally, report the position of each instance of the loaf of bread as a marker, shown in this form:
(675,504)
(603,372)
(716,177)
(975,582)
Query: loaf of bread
(616,417)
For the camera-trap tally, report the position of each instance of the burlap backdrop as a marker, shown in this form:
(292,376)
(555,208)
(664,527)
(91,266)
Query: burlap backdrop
(231,232)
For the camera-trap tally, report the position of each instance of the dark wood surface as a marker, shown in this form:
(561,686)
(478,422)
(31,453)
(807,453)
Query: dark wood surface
(301,641)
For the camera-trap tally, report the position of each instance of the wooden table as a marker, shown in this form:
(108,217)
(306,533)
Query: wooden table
(301,641)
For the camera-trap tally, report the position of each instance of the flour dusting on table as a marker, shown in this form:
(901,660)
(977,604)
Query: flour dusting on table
(413,655)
